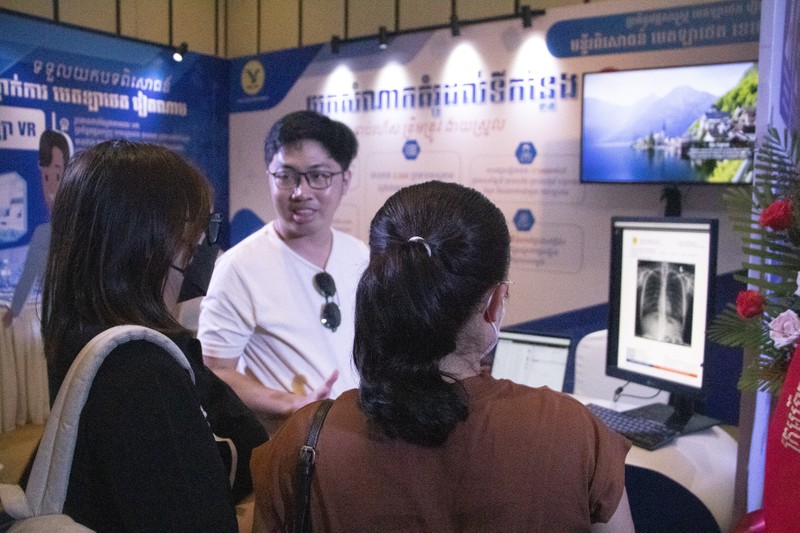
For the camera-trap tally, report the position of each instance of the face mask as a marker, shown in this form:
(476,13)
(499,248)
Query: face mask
(197,274)
(494,340)
(495,327)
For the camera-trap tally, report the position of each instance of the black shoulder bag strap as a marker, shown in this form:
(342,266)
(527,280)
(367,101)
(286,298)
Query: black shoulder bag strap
(305,470)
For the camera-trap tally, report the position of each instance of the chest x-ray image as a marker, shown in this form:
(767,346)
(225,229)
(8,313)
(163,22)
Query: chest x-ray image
(665,298)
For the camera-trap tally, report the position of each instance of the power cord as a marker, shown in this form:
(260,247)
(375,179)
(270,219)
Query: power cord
(619,394)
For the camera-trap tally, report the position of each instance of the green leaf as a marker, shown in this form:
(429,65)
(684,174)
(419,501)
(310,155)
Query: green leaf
(766,286)
(730,329)
(773,259)
(776,269)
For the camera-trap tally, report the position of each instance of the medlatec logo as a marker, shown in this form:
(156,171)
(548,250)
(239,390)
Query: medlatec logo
(252,77)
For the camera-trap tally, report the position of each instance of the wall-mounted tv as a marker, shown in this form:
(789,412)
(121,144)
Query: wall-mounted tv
(677,125)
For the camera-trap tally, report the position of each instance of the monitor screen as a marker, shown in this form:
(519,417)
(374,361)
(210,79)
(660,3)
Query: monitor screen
(661,297)
(531,359)
(677,125)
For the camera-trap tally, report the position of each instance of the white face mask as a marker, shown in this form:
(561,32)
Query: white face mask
(495,326)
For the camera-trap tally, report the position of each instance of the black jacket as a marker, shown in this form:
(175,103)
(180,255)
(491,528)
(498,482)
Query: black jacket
(145,457)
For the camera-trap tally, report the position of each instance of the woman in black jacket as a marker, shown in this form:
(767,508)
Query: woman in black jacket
(126,224)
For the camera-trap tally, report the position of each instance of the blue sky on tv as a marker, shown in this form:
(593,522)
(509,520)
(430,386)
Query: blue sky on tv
(628,87)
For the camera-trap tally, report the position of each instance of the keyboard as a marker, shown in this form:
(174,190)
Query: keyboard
(644,433)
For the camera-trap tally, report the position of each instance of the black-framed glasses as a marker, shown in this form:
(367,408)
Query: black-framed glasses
(330,316)
(316,179)
(212,230)
(211,236)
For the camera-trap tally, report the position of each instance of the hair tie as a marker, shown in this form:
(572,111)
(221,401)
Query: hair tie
(425,244)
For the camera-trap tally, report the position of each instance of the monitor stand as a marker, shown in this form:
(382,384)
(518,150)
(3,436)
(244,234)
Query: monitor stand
(678,414)
(672,196)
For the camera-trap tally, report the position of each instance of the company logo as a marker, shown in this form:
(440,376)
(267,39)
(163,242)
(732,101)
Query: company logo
(252,77)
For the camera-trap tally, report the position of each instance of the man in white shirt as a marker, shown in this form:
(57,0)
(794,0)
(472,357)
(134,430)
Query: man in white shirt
(277,322)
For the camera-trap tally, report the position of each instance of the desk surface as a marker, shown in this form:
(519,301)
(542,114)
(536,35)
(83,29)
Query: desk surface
(704,462)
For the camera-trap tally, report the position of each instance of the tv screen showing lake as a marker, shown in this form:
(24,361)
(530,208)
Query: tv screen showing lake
(692,124)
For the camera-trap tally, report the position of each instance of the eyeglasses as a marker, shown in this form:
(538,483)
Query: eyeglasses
(508,283)
(316,179)
(211,236)
(330,316)
(212,231)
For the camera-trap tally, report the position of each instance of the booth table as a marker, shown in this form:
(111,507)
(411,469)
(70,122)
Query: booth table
(678,484)
(24,395)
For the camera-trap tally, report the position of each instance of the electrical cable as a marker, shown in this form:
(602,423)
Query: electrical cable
(618,393)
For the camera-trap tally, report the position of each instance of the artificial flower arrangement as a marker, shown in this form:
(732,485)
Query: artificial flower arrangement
(765,317)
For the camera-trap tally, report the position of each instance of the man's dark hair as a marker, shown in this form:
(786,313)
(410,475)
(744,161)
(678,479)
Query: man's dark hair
(337,138)
(52,139)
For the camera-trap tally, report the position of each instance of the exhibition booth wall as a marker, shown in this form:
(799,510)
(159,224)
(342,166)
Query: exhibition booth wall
(498,108)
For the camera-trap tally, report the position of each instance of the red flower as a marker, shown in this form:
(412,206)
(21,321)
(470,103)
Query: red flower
(749,303)
(778,215)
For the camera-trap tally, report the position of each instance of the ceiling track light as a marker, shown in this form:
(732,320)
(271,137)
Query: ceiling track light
(524,12)
(179,52)
(526,16)
(455,27)
(383,38)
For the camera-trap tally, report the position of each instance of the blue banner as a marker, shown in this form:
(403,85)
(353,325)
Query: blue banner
(91,87)
(719,23)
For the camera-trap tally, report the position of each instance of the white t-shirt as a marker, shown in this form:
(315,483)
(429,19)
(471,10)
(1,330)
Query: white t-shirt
(262,305)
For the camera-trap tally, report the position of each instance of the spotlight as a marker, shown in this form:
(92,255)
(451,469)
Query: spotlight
(455,29)
(335,43)
(383,38)
(526,16)
(179,52)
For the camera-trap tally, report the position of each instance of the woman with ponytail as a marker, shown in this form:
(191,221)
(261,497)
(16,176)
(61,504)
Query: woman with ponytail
(429,442)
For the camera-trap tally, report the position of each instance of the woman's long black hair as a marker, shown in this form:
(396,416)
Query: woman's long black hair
(123,213)
(412,306)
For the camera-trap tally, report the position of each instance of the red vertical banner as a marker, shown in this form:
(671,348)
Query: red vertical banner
(782,472)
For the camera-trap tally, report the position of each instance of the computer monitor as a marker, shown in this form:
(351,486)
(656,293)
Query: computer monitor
(661,294)
(531,359)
